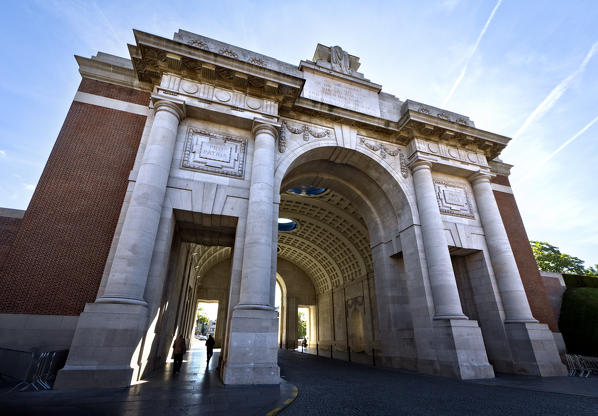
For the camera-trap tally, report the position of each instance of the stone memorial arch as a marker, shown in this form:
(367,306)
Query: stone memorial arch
(401,235)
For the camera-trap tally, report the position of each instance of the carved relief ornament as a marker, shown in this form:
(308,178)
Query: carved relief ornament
(303,129)
(386,151)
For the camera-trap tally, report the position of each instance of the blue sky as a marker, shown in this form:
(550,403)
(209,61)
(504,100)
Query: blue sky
(524,69)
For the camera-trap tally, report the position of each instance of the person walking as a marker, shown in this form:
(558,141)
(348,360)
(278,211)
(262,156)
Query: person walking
(179,349)
(210,347)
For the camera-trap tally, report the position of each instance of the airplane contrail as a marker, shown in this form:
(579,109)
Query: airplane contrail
(556,92)
(560,148)
(473,51)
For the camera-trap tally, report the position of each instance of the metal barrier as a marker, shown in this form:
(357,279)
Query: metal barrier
(42,370)
(581,366)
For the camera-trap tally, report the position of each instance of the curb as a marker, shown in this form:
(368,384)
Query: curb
(288,393)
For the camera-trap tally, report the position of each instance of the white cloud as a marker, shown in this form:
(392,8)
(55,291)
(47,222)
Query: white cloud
(29,186)
(473,51)
(556,92)
(2,153)
(559,149)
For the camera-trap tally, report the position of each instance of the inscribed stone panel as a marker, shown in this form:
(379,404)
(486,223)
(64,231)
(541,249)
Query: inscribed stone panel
(214,153)
(453,199)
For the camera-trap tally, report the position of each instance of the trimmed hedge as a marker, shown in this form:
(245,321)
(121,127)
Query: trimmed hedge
(579,320)
(576,280)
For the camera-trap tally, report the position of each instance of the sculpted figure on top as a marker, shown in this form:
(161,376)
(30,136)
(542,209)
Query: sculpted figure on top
(340,60)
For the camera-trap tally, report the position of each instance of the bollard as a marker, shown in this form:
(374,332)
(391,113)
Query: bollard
(331,357)
(317,350)
(373,357)
(349,351)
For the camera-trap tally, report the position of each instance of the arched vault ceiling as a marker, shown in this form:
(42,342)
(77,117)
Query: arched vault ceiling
(331,242)
(206,257)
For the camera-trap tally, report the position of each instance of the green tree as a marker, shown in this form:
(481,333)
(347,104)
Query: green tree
(202,320)
(550,259)
(592,270)
(302,329)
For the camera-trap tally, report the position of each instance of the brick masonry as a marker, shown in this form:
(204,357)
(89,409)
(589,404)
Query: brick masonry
(57,258)
(8,231)
(528,268)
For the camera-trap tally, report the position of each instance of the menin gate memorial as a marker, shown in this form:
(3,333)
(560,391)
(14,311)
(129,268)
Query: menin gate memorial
(165,187)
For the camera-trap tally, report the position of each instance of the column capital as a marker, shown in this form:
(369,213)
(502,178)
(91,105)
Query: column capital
(260,124)
(419,164)
(480,176)
(173,107)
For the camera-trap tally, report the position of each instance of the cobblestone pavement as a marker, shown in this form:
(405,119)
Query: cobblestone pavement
(334,387)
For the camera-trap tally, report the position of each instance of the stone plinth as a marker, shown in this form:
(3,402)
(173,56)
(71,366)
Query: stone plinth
(534,350)
(105,347)
(253,349)
(460,349)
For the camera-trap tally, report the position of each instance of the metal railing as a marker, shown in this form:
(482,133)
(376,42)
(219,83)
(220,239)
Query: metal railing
(42,370)
(581,366)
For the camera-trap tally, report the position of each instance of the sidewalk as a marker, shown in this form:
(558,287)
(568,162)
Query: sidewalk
(195,390)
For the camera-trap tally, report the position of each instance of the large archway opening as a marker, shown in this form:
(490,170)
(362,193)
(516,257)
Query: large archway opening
(347,211)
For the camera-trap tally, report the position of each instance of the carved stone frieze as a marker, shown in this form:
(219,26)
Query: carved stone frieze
(302,129)
(444,150)
(453,199)
(174,85)
(215,153)
(257,61)
(228,52)
(198,43)
(386,150)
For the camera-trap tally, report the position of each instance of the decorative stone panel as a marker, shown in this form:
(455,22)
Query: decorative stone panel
(193,92)
(453,199)
(444,151)
(214,153)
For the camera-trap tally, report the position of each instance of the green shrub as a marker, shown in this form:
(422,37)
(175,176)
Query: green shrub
(579,320)
(576,280)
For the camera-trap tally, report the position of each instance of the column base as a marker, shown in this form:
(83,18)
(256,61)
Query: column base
(105,347)
(253,350)
(534,350)
(461,351)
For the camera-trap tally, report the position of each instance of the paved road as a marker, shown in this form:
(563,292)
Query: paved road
(197,390)
(338,388)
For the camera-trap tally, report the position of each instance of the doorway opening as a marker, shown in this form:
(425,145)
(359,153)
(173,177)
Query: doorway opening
(303,326)
(206,320)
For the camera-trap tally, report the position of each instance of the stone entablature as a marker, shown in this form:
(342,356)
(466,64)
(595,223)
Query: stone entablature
(443,153)
(196,93)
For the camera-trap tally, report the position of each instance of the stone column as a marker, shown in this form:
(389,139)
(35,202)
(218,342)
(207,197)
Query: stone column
(130,268)
(533,349)
(257,276)
(107,341)
(440,269)
(253,348)
(515,303)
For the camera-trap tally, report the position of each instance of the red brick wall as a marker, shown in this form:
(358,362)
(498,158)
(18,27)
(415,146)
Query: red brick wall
(528,268)
(56,261)
(8,231)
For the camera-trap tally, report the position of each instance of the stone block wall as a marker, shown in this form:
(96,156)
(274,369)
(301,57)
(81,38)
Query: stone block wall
(555,287)
(55,263)
(524,257)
